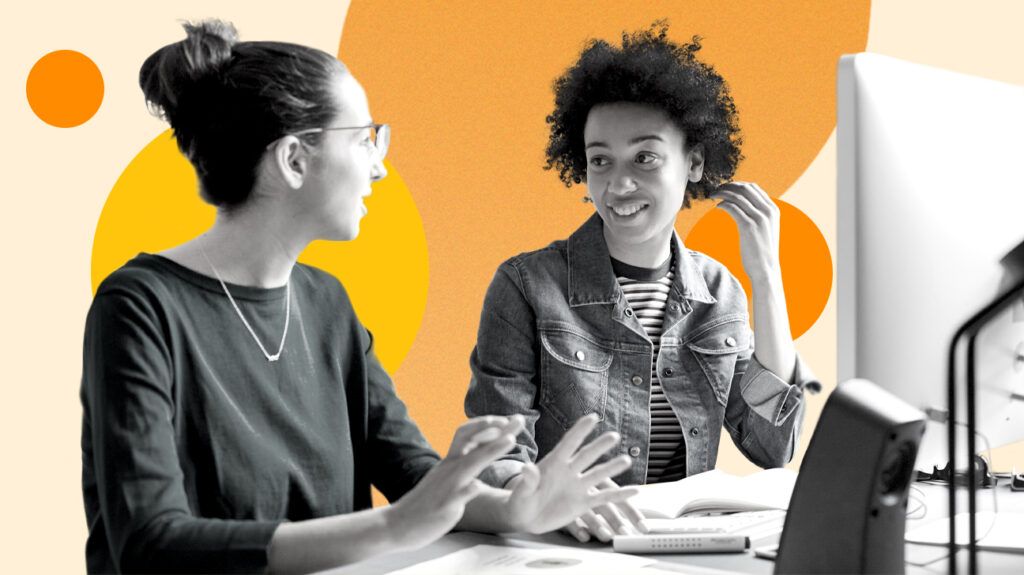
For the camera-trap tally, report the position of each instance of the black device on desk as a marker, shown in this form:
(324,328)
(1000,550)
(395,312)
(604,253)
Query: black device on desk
(847,512)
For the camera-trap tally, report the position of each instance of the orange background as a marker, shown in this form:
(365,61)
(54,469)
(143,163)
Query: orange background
(466,87)
(475,214)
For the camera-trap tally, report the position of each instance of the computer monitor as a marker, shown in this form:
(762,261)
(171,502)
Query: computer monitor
(931,198)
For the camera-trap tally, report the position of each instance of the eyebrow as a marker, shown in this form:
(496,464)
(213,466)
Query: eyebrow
(632,141)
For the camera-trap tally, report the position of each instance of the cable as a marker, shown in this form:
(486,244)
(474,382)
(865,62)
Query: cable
(995,498)
(920,500)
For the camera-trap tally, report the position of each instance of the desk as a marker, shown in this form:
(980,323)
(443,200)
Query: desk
(716,564)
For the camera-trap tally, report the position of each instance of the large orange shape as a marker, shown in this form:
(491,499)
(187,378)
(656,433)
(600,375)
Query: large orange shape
(803,255)
(64,88)
(467,86)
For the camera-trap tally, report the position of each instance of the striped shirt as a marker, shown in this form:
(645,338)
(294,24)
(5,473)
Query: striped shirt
(646,291)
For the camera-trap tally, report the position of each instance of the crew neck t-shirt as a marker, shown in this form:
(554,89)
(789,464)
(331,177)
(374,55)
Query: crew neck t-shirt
(195,447)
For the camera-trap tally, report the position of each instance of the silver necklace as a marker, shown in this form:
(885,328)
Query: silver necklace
(287,308)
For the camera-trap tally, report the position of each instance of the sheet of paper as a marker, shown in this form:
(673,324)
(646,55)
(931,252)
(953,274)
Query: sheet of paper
(498,560)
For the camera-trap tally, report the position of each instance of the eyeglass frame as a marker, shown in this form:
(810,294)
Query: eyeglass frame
(377,128)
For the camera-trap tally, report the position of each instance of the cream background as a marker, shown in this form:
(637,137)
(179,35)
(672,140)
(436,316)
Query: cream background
(58,179)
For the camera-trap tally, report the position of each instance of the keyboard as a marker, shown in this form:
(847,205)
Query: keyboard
(753,524)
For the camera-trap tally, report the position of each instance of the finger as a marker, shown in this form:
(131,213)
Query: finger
(469,491)
(751,191)
(514,424)
(615,520)
(628,511)
(763,194)
(486,436)
(597,526)
(578,530)
(738,215)
(529,480)
(745,205)
(470,428)
(592,451)
(472,463)
(606,470)
(572,439)
(607,496)
(632,515)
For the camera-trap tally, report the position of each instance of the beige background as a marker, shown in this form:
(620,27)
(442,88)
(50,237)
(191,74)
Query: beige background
(57,181)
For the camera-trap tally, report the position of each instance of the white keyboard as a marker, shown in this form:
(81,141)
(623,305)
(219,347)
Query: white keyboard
(750,523)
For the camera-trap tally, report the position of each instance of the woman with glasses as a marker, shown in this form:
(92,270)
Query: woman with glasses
(621,320)
(235,415)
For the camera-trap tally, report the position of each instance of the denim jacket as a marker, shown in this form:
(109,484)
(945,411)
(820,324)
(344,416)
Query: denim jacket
(558,340)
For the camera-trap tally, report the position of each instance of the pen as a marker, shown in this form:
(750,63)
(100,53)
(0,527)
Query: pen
(704,543)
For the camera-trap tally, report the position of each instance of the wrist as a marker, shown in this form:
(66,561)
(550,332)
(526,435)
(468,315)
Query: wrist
(512,519)
(396,530)
(764,275)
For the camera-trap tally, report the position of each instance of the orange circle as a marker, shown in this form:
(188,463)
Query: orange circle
(64,88)
(803,255)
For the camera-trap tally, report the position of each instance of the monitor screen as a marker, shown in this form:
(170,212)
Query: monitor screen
(931,199)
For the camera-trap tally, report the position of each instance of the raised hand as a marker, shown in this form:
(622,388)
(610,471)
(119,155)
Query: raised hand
(437,502)
(565,484)
(757,218)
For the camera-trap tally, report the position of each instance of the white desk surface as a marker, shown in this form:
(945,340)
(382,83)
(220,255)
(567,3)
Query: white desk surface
(710,564)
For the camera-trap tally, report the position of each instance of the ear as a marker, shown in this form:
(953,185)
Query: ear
(291,158)
(696,172)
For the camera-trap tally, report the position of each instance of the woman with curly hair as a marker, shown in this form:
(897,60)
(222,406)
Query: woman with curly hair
(235,414)
(623,321)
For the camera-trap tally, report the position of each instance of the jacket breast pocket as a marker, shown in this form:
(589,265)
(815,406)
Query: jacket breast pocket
(716,351)
(574,376)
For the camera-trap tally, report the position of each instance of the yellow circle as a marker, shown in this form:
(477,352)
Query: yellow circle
(155,205)
(64,88)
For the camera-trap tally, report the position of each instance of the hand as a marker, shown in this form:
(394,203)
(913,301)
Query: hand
(606,521)
(555,491)
(757,218)
(437,502)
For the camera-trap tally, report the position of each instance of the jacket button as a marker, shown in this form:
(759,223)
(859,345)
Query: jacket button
(637,380)
(667,372)
(674,307)
(634,451)
(580,355)
(694,431)
(628,312)
(730,341)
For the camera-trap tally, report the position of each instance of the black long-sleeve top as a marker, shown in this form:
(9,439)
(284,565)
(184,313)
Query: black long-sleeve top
(195,447)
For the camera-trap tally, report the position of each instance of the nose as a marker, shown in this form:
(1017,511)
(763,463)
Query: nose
(621,183)
(378,172)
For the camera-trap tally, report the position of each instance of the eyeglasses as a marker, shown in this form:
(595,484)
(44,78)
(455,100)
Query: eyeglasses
(380,136)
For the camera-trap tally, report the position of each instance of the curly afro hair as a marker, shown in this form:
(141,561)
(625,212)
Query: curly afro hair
(648,69)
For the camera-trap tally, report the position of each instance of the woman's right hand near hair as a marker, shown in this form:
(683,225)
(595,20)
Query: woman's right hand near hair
(436,504)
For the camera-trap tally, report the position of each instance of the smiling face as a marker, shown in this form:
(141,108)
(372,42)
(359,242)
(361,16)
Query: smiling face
(637,170)
(343,167)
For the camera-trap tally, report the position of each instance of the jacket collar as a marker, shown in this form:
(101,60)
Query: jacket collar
(592,281)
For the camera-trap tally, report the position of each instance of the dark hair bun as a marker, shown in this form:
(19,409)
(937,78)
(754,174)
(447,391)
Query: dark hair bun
(172,73)
(226,100)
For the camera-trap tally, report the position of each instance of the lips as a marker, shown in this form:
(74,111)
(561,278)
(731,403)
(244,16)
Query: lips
(629,208)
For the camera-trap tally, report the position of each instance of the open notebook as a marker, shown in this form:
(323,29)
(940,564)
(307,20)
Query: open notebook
(716,492)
